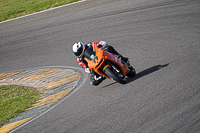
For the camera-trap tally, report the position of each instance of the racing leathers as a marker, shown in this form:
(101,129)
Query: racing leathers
(95,78)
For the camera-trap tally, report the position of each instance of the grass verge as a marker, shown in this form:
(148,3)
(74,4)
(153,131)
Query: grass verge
(15,100)
(15,8)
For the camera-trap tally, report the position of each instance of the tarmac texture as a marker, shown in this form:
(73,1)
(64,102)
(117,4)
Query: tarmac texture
(161,39)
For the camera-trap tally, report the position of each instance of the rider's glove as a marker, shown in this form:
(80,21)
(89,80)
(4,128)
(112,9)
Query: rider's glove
(87,70)
(89,45)
(103,43)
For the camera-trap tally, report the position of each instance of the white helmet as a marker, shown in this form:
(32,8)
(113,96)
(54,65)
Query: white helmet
(78,49)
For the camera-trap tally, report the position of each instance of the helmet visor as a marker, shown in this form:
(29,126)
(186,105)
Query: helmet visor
(79,51)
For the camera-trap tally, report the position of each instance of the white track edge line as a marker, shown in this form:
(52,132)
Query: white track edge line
(42,11)
(85,76)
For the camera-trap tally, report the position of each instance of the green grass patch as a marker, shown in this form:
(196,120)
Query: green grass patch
(15,100)
(14,8)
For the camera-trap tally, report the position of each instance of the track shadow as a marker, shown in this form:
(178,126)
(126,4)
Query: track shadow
(146,72)
(141,74)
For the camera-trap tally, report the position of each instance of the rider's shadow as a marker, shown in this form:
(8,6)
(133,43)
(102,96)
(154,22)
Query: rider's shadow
(142,73)
(146,72)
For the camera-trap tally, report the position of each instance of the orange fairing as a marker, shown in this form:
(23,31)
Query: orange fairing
(116,60)
(100,60)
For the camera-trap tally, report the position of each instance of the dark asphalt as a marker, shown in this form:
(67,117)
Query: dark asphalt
(161,39)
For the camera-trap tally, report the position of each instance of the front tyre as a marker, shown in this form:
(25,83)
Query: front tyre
(115,76)
(132,72)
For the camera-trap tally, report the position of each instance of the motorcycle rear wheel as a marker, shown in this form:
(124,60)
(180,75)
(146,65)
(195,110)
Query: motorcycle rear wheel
(114,76)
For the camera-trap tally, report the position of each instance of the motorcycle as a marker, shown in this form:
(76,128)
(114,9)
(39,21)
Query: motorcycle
(108,65)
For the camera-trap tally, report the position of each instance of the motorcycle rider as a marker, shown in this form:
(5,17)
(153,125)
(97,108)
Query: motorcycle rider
(79,48)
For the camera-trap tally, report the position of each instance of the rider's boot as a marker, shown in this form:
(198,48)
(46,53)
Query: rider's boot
(112,50)
(125,59)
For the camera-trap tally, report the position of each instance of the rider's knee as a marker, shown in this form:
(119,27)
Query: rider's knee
(94,82)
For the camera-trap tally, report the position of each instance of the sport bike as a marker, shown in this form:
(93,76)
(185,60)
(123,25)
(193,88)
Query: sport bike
(108,65)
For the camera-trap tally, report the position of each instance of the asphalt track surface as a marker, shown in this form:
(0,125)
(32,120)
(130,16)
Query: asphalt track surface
(161,39)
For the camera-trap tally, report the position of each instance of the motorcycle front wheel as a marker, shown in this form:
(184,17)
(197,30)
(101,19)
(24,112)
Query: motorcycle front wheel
(110,72)
(132,72)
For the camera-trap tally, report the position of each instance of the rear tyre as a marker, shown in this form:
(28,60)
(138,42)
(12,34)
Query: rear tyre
(115,76)
(132,72)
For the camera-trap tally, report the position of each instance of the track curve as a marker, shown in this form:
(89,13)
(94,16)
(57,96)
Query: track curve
(161,40)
